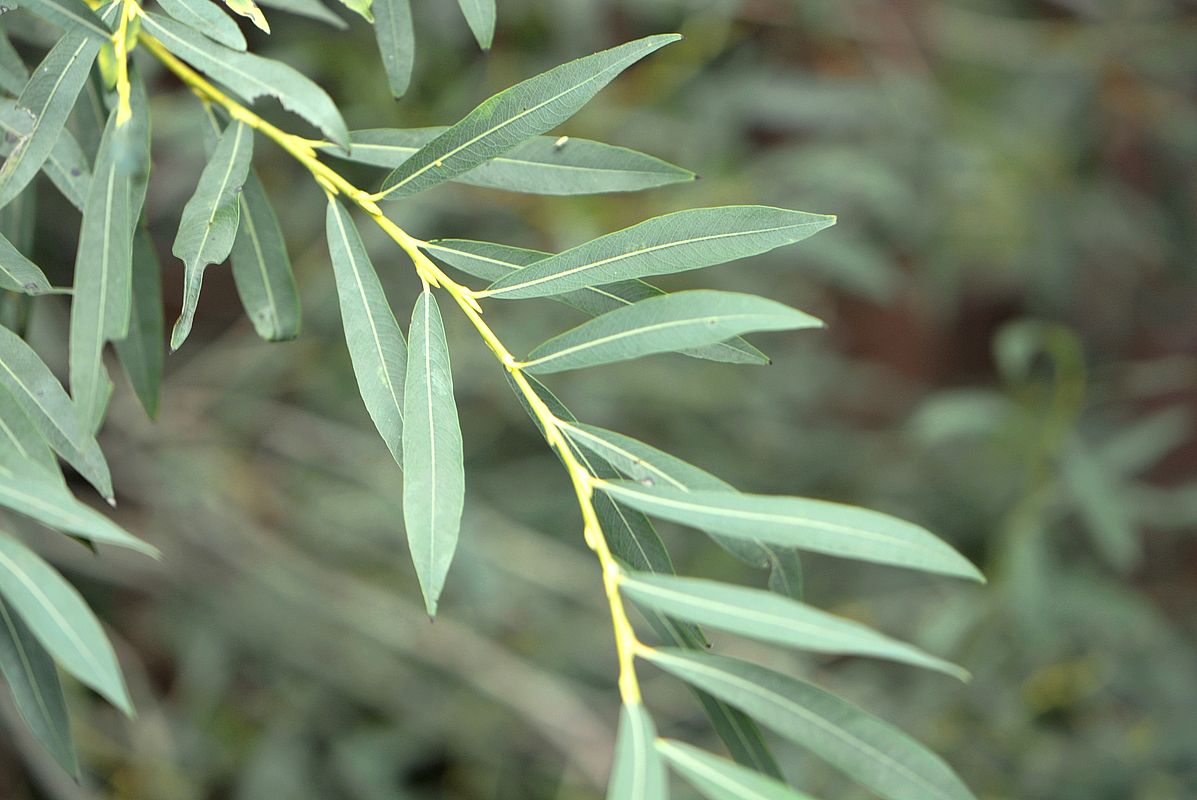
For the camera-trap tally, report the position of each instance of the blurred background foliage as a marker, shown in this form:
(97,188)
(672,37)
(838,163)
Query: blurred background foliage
(1010,361)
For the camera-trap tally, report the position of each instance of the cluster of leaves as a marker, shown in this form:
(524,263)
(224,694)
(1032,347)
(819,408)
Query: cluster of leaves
(407,383)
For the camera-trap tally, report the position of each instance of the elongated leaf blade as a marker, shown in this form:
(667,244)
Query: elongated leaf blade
(768,616)
(207,18)
(376,345)
(480,14)
(45,402)
(663,324)
(33,680)
(262,268)
(433,472)
(871,751)
(677,242)
(19,274)
(143,352)
(66,166)
(719,779)
(493,261)
(60,620)
(312,9)
(815,525)
(70,15)
(396,43)
(21,442)
(250,76)
(13,72)
(785,573)
(639,773)
(209,223)
(44,106)
(527,109)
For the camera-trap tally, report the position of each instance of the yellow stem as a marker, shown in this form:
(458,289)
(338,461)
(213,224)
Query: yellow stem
(304,151)
(120,51)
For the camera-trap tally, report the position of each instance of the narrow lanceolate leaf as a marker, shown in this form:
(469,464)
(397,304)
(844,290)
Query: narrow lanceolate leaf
(493,261)
(262,268)
(372,334)
(313,9)
(719,779)
(73,16)
(33,680)
(101,305)
(13,72)
(207,18)
(43,108)
(66,166)
(60,620)
(677,242)
(45,402)
(249,9)
(360,7)
(396,42)
(768,616)
(816,525)
(433,474)
(480,14)
(871,751)
(208,226)
(525,110)
(251,76)
(19,274)
(638,773)
(143,351)
(662,324)
(541,165)
(785,573)
(21,441)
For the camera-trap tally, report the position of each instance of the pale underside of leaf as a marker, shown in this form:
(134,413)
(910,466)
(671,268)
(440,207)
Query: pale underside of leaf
(638,773)
(396,42)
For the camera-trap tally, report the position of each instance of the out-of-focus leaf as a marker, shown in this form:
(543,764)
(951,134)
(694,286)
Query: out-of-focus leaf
(143,351)
(249,9)
(1096,494)
(719,779)
(313,9)
(638,773)
(13,72)
(433,473)
(207,18)
(360,7)
(396,43)
(480,14)
(66,166)
(785,573)
(527,109)
(677,242)
(262,268)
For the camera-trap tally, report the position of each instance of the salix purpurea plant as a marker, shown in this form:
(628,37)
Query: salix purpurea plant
(407,383)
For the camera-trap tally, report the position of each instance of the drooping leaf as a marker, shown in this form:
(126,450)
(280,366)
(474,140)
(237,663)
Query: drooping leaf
(480,14)
(250,76)
(313,9)
(262,268)
(72,16)
(492,261)
(541,165)
(208,226)
(661,324)
(45,402)
(527,109)
(360,7)
(806,524)
(719,779)
(207,18)
(785,573)
(143,351)
(869,750)
(43,106)
(677,242)
(19,274)
(33,680)
(372,334)
(433,473)
(638,773)
(60,620)
(396,43)
(768,616)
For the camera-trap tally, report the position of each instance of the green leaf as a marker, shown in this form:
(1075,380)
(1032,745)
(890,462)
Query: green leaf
(676,242)
(33,680)
(66,166)
(262,268)
(19,274)
(372,334)
(493,261)
(21,441)
(208,226)
(60,620)
(815,525)
(361,7)
(72,16)
(42,398)
(719,779)
(480,15)
(13,72)
(396,43)
(313,9)
(872,752)
(207,18)
(44,105)
(527,109)
(433,473)
(143,351)
(249,9)
(785,573)
(541,165)
(251,76)
(638,773)
(768,616)
(662,324)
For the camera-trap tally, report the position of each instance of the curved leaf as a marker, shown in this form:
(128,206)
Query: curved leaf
(207,18)
(396,43)
(262,268)
(480,14)
(720,779)
(639,773)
